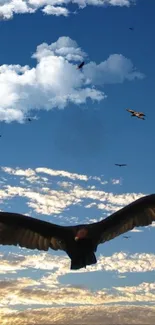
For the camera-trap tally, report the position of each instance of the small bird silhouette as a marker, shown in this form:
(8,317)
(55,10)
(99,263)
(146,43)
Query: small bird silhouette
(121,165)
(81,65)
(136,114)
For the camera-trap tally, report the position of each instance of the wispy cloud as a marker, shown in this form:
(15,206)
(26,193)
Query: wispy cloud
(25,294)
(52,7)
(88,315)
(47,199)
(49,291)
(62,173)
(116,181)
(120,263)
(55,82)
(19,172)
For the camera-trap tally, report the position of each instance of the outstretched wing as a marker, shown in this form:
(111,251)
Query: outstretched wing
(17,229)
(137,214)
(130,110)
(141,114)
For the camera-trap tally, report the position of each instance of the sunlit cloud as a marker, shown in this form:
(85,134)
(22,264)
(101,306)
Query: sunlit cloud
(48,291)
(120,263)
(88,314)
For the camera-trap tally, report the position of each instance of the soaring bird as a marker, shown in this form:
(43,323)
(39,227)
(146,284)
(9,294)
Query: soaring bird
(131,28)
(121,165)
(30,119)
(81,65)
(137,114)
(80,242)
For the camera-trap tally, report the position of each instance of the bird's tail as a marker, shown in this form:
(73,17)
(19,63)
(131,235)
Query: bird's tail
(83,261)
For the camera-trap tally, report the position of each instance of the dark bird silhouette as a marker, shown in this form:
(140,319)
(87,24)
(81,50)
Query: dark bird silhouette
(81,65)
(131,28)
(126,237)
(121,165)
(30,119)
(136,114)
(80,242)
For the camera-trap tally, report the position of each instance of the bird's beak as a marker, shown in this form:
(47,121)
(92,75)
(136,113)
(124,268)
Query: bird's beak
(76,238)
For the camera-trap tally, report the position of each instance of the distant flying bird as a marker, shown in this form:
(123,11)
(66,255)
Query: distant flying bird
(126,237)
(131,28)
(30,119)
(121,165)
(80,242)
(137,114)
(81,65)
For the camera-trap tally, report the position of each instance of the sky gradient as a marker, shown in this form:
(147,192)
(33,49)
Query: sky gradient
(60,167)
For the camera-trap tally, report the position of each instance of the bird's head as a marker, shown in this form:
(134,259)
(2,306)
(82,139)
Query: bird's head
(81,234)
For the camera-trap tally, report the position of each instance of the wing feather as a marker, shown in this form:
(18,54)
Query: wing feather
(16,229)
(137,214)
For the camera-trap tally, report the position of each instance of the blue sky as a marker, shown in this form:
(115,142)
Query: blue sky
(60,167)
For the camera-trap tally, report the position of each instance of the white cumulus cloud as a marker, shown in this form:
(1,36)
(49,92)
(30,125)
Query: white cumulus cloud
(52,7)
(115,69)
(55,81)
(57,11)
